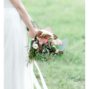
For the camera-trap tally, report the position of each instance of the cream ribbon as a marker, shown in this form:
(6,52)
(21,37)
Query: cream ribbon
(34,80)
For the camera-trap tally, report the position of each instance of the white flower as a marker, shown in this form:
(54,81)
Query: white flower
(35,46)
(57,51)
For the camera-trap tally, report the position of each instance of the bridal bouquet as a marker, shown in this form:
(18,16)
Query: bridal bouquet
(46,50)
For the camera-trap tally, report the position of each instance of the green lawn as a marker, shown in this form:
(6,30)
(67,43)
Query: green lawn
(66,17)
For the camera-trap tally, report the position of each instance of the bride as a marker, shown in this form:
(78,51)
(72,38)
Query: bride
(17,74)
(15,23)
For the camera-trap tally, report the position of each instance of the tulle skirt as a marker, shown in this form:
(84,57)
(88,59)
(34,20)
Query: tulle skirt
(16,72)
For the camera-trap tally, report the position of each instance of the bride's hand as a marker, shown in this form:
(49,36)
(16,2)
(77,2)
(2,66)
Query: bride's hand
(32,33)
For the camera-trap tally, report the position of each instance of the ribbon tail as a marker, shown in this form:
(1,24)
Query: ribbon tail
(41,77)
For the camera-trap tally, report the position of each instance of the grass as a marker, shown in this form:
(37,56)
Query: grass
(66,17)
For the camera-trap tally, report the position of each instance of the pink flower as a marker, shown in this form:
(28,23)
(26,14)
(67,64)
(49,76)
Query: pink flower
(57,42)
(42,40)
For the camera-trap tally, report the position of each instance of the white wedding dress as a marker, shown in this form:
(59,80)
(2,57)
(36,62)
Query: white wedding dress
(16,72)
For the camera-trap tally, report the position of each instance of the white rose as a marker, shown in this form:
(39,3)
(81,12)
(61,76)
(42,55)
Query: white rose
(35,46)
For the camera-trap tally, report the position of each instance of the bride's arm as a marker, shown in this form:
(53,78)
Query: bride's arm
(24,15)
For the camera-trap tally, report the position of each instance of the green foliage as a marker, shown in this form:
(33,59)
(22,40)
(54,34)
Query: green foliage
(46,52)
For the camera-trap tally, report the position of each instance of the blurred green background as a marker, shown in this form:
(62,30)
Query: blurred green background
(66,17)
